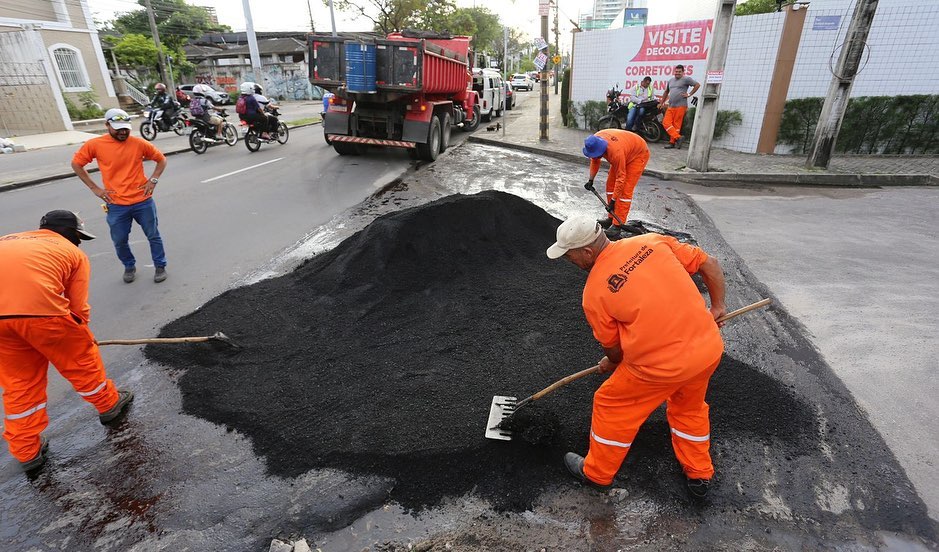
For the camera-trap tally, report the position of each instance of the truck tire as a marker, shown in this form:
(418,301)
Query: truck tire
(431,150)
(345,148)
(472,124)
(445,128)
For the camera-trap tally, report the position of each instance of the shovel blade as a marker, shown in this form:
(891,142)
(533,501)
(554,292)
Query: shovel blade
(502,407)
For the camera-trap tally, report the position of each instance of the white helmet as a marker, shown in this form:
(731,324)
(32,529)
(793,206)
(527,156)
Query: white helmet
(198,90)
(247,88)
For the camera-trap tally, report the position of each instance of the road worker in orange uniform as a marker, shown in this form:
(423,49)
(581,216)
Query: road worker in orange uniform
(44,317)
(628,155)
(660,339)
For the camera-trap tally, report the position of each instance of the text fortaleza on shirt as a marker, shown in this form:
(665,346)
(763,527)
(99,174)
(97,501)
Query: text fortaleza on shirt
(616,281)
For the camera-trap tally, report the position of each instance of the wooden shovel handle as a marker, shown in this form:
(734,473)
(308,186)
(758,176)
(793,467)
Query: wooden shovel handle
(155,340)
(594,369)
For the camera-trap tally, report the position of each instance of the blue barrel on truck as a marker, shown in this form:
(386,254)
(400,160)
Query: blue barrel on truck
(360,67)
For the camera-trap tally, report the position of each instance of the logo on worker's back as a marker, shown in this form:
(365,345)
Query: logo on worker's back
(616,281)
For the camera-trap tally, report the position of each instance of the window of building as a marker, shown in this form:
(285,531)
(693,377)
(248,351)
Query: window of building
(72,74)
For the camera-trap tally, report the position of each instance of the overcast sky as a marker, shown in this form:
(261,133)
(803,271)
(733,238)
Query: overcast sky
(294,15)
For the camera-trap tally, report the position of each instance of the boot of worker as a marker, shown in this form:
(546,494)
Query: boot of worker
(39,460)
(575,465)
(123,399)
(605,222)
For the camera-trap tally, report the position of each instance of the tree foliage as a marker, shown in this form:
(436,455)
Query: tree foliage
(137,50)
(753,7)
(176,21)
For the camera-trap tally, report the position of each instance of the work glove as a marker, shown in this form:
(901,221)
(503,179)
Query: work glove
(611,207)
(589,184)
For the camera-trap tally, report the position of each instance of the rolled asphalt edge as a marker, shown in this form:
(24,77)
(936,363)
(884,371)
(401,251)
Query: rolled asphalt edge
(69,174)
(733,179)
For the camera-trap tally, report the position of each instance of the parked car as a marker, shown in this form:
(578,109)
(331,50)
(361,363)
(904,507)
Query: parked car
(509,96)
(218,97)
(521,80)
(488,85)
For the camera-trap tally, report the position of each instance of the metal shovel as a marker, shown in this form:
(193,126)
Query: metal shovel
(503,407)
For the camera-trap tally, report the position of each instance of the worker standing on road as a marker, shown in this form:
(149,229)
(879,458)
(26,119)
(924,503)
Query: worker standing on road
(660,340)
(628,155)
(675,103)
(127,192)
(44,317)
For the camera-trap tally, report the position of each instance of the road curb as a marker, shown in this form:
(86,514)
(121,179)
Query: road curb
(64,175)
(716,179)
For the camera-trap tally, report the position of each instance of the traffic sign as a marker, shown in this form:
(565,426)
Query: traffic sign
(556,59)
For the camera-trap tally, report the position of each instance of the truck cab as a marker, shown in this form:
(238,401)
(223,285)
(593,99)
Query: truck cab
(488,86)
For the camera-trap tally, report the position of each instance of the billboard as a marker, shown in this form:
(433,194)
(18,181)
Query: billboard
(635,17)
(631,53)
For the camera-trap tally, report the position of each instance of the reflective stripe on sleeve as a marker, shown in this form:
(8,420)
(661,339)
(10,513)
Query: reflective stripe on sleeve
(626,200)
(696,438)
(25,413)
(93,391)
(608,441)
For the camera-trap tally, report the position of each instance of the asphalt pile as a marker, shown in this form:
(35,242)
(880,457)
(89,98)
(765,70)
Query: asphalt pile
(382,356)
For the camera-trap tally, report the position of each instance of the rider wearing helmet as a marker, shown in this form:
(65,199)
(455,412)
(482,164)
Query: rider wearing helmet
(253,112)
(163,101)
(267,107)
(211,119)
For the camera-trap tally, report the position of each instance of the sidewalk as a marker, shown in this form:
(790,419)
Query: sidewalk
(50,155)
(727,168)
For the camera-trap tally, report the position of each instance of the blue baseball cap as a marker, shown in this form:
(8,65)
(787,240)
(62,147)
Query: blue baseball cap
(594,146)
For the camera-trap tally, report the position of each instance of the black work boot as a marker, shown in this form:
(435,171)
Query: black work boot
(605,222)
(39,460)
(123,399)
(698,488)
(130,274)
(575,464)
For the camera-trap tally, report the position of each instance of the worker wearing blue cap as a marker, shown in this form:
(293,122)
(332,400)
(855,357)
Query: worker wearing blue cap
(628,155)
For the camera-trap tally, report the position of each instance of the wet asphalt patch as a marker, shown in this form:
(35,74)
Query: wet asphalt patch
(382,356)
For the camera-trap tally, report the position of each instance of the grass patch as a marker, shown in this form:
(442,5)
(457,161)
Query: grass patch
(305,121)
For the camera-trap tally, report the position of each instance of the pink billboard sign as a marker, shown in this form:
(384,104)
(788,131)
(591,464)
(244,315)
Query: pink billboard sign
(685,41)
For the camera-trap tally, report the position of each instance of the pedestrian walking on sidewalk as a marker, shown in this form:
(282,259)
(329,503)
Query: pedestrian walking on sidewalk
(44,316)
(675,102)
(661,343)
(628,155)
(126,191)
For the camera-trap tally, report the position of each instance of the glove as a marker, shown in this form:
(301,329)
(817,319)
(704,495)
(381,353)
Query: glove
(589,184)
(611,207)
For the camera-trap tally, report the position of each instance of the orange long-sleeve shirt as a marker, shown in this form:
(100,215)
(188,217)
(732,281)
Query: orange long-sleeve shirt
(622,147)
(639,295)
(43,274)
(121,165)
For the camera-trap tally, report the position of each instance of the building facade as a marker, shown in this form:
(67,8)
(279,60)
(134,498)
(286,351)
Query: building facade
(49,52)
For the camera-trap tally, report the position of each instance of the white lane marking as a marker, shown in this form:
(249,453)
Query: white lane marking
(241,170)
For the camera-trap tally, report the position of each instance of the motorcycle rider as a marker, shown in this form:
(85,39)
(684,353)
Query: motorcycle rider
(250,111)
(202,107)
(267,107)
(163,101)
(642,93)
(182,98)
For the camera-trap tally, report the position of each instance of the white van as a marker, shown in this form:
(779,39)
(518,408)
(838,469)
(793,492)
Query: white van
(488,85)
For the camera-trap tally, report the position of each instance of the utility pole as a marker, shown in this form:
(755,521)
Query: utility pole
(782,75)
(557,48)
(332,17)
(165,76)
(310,9)
(705,117)
(505,74)
(839,92)
(252,43)
(544,7)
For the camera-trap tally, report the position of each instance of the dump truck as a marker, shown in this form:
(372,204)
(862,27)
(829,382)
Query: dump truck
(407,90)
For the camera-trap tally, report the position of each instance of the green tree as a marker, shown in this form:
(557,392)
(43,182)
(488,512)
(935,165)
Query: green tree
(480,23)
(389,16)
(177,22)
(753,7)
(136,50)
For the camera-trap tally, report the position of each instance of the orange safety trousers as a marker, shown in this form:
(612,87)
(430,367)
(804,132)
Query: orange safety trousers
(633,170)
(622,404)
(674,117)
(27,346)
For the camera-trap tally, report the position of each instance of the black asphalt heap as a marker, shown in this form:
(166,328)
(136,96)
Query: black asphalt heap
(382,357)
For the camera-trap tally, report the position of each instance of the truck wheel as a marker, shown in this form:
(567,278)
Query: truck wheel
(345,148)
(472,124)
(431,150)
(445,129)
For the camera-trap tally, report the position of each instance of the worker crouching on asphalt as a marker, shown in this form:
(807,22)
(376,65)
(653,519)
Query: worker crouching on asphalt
(44,317)
(628,155)
(661,343)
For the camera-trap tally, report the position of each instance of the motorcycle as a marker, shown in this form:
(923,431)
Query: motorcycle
(253,139)
(153,123)
(649,125)
(201,132)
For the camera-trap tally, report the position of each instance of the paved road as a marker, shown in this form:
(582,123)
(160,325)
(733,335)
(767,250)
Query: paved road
(859,269)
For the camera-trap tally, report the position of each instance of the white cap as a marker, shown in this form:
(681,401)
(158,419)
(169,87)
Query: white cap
(118,119)
(577,231)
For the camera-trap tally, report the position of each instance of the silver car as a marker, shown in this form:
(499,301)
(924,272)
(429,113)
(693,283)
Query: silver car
(218,97)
